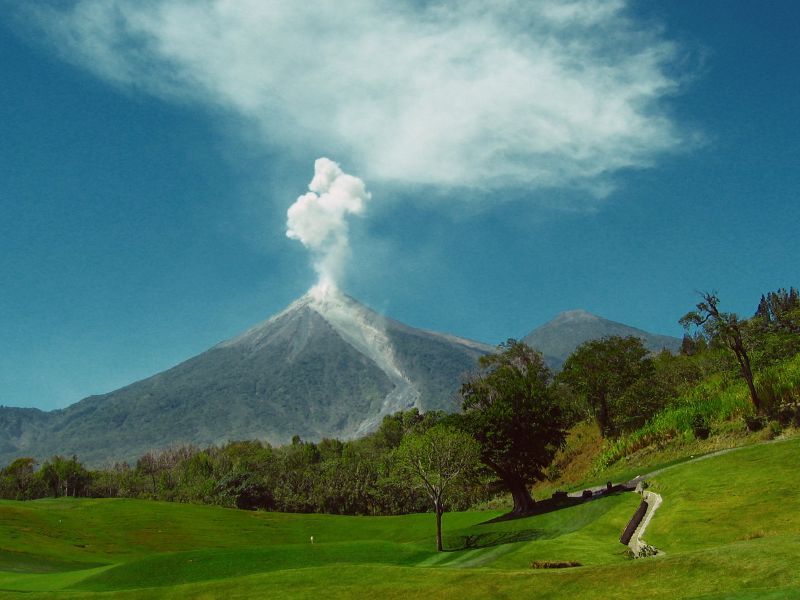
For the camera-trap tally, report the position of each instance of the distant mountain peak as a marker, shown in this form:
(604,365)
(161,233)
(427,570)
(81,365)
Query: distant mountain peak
(577,314)
(559,337)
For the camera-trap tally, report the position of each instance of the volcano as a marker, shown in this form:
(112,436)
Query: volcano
(326,366)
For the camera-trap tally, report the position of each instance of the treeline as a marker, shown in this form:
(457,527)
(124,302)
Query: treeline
(357,477)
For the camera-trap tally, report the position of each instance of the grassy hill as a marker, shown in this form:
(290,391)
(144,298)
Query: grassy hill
(728,528)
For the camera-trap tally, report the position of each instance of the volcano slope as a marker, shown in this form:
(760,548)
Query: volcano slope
(326,366)
(728,528)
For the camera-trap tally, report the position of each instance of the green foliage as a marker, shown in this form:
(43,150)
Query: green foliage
(701,428)
(510,409)
(724,329)
(245,490)
(774,331)
(438,461)
(574,407)
(65,477)
(779,389)
(655,391)
(713,401)
(613,375)
(715,398)
(779,308)
(355,477)
(19,481)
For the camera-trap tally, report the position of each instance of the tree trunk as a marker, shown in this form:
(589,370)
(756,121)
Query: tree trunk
(747,372)
(523,503)
(439,511)
(748,376)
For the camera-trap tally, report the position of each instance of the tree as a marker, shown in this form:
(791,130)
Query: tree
(438,461)
(727,329)
(297,474)
(779,308)
(693,345)
(773,334)
(509,408)
(244,490)
(18,481)
(64,477)
(602,371)
(150,465)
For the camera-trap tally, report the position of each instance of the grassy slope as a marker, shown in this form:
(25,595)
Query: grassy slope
(729,528)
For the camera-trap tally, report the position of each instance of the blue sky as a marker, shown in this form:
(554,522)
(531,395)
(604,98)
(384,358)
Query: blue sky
(611,156)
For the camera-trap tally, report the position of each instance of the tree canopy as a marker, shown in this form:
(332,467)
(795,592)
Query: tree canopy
(438,461)
(509,408)
(604,372)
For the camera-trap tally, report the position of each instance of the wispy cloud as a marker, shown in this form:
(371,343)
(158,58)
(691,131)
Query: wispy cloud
(457,93)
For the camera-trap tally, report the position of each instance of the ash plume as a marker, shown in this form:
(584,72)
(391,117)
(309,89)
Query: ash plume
(319,219)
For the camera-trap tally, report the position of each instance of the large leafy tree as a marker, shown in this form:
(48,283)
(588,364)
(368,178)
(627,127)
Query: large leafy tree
(439,460)
(604,372)
(725,328)
(509,408)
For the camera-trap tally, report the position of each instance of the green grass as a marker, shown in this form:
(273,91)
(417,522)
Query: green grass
(756,498)
(729,527)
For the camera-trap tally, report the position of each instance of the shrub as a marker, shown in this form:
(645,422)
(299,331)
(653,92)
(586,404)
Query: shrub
(779,390)
(554,564)
(700,426)
(755,422)
(774,429)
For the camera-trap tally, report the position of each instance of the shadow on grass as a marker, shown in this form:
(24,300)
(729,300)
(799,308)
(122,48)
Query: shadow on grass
(541,507)
(493,538)
(473,541)
(22,562)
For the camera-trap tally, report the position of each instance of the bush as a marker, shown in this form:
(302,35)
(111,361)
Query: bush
(778,388)
(755,422)
(700,426)
(774,429)
(554,564)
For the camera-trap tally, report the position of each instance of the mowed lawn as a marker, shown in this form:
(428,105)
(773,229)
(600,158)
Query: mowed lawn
(728,528)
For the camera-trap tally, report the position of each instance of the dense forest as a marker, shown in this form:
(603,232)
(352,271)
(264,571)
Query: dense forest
(730,372)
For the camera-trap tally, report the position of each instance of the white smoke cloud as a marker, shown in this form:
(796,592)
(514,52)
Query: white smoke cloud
(318,219)
(465,93)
